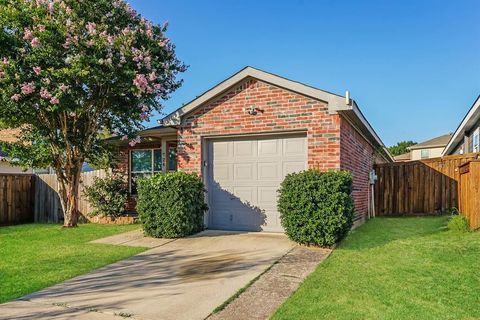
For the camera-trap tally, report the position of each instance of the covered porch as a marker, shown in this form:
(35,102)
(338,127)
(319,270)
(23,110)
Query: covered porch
(157,152)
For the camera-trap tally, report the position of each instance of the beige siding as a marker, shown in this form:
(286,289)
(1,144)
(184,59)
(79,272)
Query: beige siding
(433,153)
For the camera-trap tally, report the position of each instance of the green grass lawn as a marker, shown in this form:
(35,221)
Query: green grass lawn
(394,268)
(35,256)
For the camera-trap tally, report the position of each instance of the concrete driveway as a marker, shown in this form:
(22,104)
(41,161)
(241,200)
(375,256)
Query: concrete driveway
(181,279)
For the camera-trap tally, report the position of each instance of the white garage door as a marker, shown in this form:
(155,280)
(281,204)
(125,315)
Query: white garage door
(244,175)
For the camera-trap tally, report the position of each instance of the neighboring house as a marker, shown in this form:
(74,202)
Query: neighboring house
(403,157)
(466,138)
(425,150)
(9,135)
(245,134)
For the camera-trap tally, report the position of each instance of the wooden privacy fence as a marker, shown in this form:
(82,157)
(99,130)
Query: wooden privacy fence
(469,201)
(48,207)
(16,198)
(419,187)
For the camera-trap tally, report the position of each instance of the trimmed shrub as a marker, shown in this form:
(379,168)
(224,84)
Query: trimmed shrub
(458,223)
(316,208)
(107,196)
(171,205)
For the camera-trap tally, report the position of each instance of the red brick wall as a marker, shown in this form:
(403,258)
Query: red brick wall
(281,110)
(357,156)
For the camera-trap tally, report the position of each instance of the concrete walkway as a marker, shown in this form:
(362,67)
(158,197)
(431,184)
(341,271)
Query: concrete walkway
(181,279)
(273,288)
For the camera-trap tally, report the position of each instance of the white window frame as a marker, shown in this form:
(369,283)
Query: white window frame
(130,164)
(476,140)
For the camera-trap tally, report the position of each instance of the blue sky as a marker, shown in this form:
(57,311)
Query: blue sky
(412,66)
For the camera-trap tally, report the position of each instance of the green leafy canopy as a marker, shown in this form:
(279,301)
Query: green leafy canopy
(70,69)
(401,147)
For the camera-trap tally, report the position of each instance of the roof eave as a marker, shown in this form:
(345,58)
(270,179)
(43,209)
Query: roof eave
(364,126)
(427,147)
(467,121)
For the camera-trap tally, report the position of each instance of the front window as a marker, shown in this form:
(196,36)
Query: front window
(425,154)
(144,163)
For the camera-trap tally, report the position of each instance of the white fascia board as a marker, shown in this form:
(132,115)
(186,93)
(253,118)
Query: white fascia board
(463,127)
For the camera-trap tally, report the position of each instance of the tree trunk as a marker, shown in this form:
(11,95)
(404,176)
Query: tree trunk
(70,198)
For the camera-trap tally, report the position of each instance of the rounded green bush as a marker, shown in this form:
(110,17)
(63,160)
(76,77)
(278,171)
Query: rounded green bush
(171,205)
(107,196)
(316,208)
(458,223)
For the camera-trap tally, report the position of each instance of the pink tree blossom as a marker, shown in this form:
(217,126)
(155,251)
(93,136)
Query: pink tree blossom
(117,4)
(45,94)
(35,42)
(135,141)
(37,70)
(27,34)
(141,82)
(15,97)
(54,100)
(91,28)
(28,88)
(50,7)
(6,61)
(63,87)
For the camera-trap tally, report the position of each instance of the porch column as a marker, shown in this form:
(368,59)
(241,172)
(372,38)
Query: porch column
(164,155)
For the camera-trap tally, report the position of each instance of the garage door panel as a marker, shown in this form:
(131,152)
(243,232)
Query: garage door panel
(244,171)
(245,175)
(267,196)
(269,171)
(223,172)
(223,217)
(293,166)
(247,195)
(223,150)
(269,148)
(244,148)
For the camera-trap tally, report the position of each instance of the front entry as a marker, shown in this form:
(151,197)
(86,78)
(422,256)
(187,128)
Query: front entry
(244,175)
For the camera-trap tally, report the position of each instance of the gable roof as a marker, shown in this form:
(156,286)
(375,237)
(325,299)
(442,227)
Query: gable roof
(469,121)
(336,103)
(438,142)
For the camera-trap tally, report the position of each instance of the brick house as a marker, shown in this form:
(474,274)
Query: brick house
(245,134)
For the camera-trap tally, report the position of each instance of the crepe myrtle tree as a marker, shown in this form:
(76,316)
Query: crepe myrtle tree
(70,69)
